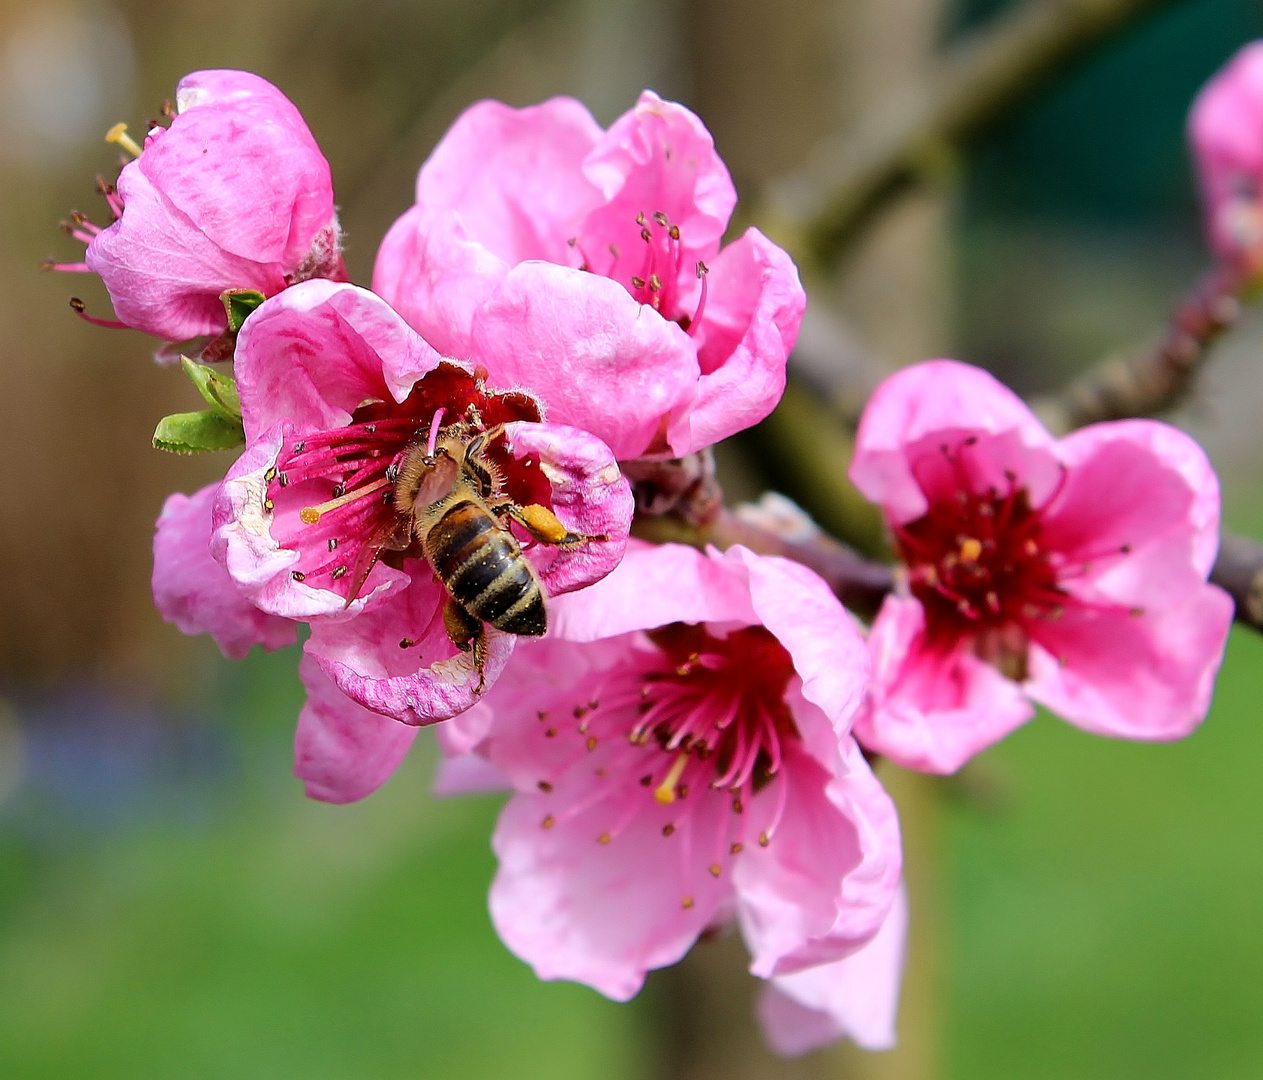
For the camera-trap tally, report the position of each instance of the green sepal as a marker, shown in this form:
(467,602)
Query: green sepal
(219,390)
(238,303)
(198,432)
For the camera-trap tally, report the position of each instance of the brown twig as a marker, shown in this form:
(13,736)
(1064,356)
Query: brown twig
(1239,572)
(850,175)
(1153,379)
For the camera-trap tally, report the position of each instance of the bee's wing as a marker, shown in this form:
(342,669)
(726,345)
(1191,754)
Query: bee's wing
(393,535)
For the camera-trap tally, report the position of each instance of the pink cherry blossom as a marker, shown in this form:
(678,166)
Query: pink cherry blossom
(235,194)
(516,205)
(680,756)
(1067,572)
(1226,133)
(195,593)
(336,390)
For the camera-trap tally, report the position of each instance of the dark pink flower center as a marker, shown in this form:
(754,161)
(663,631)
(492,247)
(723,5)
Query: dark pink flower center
(658,274)
(331,492)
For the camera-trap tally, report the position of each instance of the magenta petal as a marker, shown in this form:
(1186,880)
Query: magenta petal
(600,914)
(754,307)
(430,272)
(590,497)
(856,997)
(941,402)
(824,884)
(1145,675)
(317,351)
(581,343)
(1140,509)
(164,276)
(195,593)
(513,176)
(342,751)
(653,586)
(930,710)
(396,658)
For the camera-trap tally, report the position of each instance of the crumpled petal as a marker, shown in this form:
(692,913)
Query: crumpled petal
(940,403)
(192,591)
(856,997)
(754,306)
(932,710)
(397,659)
(583,345)
(317,351)
(590,496)
(342,751)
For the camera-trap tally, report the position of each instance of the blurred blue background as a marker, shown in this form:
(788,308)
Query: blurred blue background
(171,905)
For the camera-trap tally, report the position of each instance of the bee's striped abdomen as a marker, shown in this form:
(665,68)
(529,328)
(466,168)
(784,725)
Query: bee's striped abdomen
(483,568)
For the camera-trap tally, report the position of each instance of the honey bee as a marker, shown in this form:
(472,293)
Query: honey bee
(458,513)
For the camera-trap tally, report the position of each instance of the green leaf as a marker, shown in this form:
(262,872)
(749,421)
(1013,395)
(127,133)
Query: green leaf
(219,390)
(198,432)
(239,303)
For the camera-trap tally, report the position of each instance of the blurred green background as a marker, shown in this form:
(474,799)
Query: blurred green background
(170,904)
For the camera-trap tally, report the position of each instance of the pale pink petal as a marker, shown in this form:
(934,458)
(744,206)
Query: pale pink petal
(600,913)
(830,656)
(513,176)
(430,272)
(195,593)
(582,344)
(1144,487)
(931,709)
(754,306)
(653,586)
(397,659)
(342,751)
(590,497)
(824,883)
(163,275)
(315,352)
(246,542)
(919,411)
(240,164)
(657,158)
(856,997)
(1143,675)
(467,774)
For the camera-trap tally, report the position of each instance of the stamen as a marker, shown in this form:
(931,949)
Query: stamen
(664,793)
(118,135)
(434,431)
(703,272)
(78,307)
(309,515)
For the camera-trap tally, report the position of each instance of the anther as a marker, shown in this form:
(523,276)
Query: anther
(299,576)
(333,543)
(664,793)
(548,822)
(638,283)
(646,780)
(339,572)
(269,505)
(714,869)
(736,849)
(674,232)
(686,903)
(655,283)
(406,643)
(970,549)
(640,218)
(118,135)
(270,475)
(604,838)
(764,839)
(646,236)
(668,829)
(545,787)
(550,733)
(660,218)
(591,743)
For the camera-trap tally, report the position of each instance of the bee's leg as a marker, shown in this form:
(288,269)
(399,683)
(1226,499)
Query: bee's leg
(467,634)
(542,524)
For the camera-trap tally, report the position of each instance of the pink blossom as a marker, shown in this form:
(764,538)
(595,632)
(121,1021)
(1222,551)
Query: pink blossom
(516,205)
(195,593)
(336,394)
(235,194)
(679,753)
(1226,133)
(1067,572)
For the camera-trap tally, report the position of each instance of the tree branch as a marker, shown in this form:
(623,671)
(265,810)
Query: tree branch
(848,176)
(1153,379)
(1239,572)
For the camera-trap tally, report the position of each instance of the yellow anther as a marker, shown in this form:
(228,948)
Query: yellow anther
(970,549)
(118,135)
(665,792)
